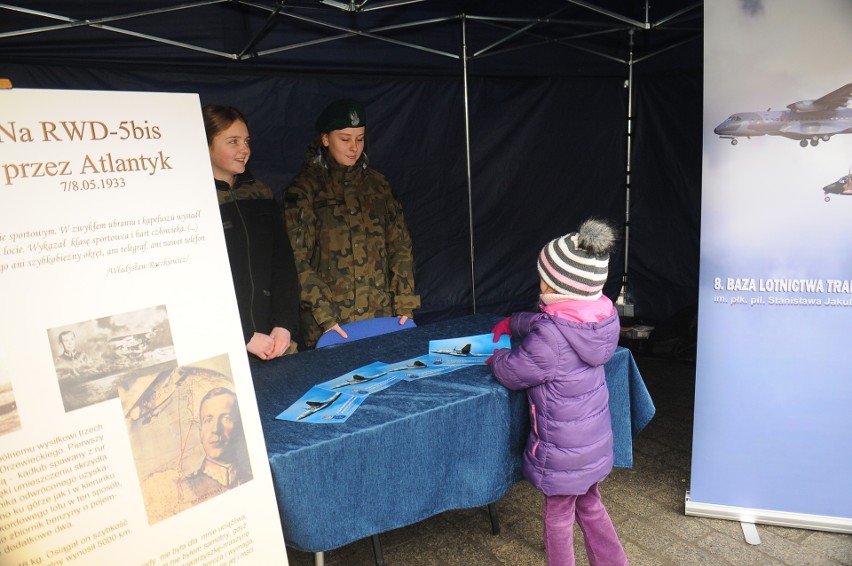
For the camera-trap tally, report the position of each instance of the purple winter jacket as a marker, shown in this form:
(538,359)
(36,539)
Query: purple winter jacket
(561,365)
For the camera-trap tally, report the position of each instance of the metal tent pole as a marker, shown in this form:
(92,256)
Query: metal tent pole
(467,156)
(624,304)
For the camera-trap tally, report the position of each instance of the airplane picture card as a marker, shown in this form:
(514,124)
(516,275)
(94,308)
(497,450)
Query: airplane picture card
(335,400)
(420,367)
(320,405)
(364,380)
(465,350)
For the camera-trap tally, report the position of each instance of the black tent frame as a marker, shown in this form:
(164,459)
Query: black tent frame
(508,34)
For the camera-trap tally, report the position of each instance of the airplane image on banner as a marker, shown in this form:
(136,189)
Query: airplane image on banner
(842,186)
(809,121)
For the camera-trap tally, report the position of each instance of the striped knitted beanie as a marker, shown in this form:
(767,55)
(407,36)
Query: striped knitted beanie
(576,265)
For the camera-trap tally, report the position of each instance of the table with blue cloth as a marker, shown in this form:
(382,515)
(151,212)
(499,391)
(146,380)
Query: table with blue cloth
(411,451)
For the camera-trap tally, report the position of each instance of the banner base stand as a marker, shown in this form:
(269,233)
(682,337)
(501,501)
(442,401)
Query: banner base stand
(750,533)
(768,517)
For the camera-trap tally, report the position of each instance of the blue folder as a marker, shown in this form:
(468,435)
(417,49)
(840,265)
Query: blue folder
(364,329)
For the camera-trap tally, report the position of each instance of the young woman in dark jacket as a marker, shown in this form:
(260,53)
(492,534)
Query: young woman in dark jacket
(262,265)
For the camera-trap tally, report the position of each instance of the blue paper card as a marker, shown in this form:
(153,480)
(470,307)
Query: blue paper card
(320,405)
(465,350)
(418,368)
(371,378)
(335,400)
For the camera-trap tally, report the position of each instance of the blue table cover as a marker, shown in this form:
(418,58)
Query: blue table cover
(411,451)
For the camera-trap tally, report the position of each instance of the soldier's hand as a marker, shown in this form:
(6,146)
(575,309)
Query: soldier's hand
(402,320)
(339,330)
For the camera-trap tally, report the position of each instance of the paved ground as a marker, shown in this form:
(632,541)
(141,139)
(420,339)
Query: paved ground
(645,502)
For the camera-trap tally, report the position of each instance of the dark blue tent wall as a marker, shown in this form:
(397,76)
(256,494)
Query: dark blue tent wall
(666,196)
(547,151)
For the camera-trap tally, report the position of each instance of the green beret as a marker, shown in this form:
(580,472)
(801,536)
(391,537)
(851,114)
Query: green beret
(342,114)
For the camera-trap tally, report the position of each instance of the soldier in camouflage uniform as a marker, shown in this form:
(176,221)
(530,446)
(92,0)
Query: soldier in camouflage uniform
(351,244)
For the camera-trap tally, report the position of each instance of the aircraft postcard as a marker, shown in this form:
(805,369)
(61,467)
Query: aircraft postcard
(335,400)
(371,378)
(320,405)
(418,368)
(465,350)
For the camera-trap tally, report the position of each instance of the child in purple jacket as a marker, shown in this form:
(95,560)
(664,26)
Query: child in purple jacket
(560,362)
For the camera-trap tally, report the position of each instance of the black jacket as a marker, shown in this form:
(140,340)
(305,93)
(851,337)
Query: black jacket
(262,265)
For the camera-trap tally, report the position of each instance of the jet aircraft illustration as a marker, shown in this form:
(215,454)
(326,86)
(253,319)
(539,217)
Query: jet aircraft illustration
(809,121)
(463,352)
(842,186)
(360,379)
(317,406)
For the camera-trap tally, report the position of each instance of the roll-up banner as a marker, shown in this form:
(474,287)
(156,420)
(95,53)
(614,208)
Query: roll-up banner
(129,431)
(773,400)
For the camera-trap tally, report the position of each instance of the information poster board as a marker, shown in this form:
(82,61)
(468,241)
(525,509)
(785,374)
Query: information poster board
(129,431)
(771,440)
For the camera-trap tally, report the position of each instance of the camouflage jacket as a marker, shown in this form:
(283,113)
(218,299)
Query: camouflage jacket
(262,266)
(351,244)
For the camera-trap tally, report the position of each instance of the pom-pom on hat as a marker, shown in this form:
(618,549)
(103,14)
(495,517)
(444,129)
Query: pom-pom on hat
(342,114)
(577,264)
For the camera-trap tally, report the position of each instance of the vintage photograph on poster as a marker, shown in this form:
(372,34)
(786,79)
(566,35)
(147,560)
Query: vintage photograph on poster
(10,421)
(92,357)
(186,435)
